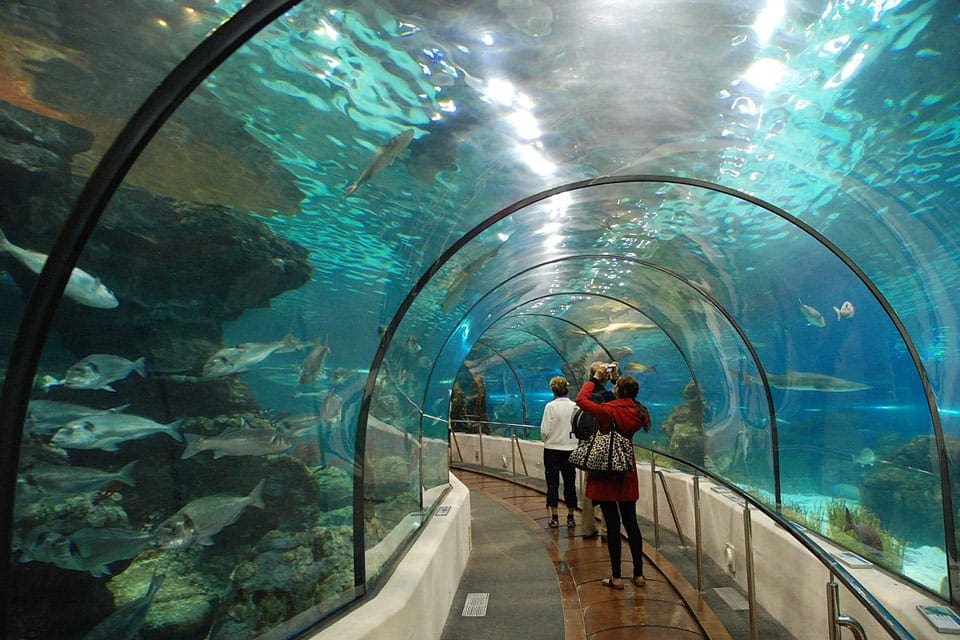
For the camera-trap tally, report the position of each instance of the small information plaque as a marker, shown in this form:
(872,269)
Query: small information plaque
(444,510)
(852,560)
(944,619)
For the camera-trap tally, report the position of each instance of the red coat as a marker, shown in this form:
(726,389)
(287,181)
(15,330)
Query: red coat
(621,487)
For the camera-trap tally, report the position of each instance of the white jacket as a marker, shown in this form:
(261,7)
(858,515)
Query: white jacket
(555,429)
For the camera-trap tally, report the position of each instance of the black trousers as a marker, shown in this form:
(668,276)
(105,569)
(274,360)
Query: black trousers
(556,463)
(615,513)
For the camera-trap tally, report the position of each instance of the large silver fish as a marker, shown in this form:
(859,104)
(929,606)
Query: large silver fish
(46,416)
(106,431)
(67,480)
(313,363)
(98,370)
(81,287)
(331,410)
(386,154)
(237,442)
(243,356)
(97,548)
(805,381)
(85,549)
(125,622)
(201,519)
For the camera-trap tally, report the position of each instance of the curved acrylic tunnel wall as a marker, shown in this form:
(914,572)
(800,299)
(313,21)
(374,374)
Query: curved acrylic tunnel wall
(305,320)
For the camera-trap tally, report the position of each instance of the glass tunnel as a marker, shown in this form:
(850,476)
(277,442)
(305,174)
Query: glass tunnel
(260,260)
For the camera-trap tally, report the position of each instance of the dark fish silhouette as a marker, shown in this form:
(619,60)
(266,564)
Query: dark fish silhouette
(386,154)
(125,622)
(313,363)
(863,532)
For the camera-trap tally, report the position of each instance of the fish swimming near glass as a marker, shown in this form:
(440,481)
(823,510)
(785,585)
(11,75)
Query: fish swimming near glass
(866,457)
(806,381)
(125,622)
(613,327)
(60,479)
(81,287)
(242,357)
(98,370)
(201,519)
(812,316)
(313,363)
(108,430)
(88,549)
(237,442)
(846,310)
(331,410)
(386,154)
(639,367)
(44,417)
(863,532)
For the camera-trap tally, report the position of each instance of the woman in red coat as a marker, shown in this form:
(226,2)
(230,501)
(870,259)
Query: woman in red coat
(617,493)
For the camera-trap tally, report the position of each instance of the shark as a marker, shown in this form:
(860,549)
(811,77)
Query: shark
(807,381)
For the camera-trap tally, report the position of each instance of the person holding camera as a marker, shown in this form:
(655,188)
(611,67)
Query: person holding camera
(598,371)
(558,442)
(617,494)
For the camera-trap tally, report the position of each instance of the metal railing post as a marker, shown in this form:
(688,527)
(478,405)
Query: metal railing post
(656,515)
(513,454)
(748,556)
(833,603)
(838,620)
(523,462)
(697,531)
(480,440)
(456,443)
(673,510)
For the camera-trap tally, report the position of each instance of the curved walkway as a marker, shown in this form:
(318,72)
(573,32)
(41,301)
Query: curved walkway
(668,607)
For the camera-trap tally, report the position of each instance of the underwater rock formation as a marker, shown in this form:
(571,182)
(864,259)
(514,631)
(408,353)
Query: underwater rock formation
(905,490)
(684,427)
(178,269)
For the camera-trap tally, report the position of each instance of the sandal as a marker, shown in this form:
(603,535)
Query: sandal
(639,581)
(554,522)
(612,584)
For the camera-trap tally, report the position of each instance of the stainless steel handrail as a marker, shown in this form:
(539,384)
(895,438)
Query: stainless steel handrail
(876,609)
(879,612)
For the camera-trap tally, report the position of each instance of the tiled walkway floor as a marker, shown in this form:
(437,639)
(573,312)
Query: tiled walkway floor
(666,608)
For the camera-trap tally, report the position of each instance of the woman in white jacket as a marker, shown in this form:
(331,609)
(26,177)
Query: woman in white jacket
(558,442)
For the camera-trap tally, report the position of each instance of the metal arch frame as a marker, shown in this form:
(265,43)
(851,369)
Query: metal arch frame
(516,376)
(950,544)
(573,324)
(706,295)
(79,225)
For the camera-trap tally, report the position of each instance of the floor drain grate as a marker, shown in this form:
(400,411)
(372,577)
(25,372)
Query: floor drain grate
(476,605)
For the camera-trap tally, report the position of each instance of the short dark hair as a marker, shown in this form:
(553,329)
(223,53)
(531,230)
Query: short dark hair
(627,387)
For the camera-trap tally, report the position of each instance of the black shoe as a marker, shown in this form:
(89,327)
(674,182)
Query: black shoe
(554,523)
(571,523)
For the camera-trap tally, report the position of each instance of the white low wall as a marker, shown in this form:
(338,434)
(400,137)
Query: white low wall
(417,597)
(790,581)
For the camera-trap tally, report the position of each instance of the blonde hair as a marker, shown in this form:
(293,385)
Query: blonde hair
(559,386)
(597,369)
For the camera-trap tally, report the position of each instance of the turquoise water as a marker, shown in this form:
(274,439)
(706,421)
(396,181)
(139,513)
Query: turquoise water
(843,115)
